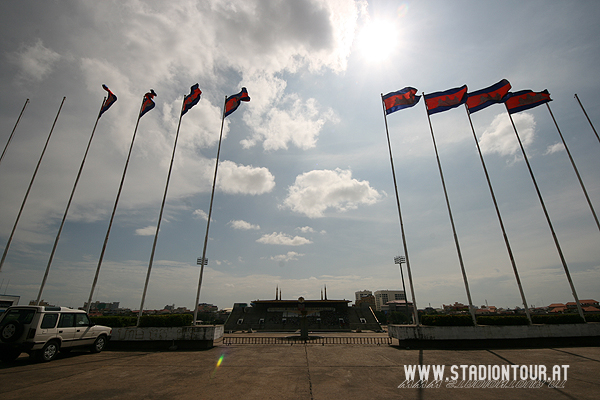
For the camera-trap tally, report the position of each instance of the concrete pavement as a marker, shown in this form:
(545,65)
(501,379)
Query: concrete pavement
(296,371)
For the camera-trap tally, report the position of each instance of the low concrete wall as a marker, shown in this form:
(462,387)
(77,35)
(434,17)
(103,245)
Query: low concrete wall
(497,336)
(180,338)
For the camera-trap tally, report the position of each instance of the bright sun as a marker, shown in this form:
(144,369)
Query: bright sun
(377,40)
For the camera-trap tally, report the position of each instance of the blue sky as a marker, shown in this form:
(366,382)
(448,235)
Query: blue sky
(305,196)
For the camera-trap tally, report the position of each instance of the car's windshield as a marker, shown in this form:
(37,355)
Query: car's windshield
(23,316)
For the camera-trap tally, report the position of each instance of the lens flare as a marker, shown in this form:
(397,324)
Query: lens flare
(403,10)
(219,362)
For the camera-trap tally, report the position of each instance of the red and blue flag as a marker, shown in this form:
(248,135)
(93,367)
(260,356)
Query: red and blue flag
(526,99)
(403,98)
(483,98)
(191,99)
(233,102)
(110,100)
(443,101)
(148,104)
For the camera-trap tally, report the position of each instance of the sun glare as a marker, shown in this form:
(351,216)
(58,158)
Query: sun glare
(377,40)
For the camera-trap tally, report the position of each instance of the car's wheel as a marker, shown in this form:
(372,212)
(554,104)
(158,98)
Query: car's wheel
(99,344)
(9,355)
(49,351)
(11,331)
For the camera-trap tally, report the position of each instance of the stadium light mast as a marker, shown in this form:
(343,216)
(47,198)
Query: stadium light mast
(400,260)
(199,261)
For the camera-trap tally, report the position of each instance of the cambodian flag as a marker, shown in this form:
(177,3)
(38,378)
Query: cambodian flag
(109,100)
(233,102)
(526,99)
(403,98)
(443,101)
(486,97)
(148,103)
(191,99)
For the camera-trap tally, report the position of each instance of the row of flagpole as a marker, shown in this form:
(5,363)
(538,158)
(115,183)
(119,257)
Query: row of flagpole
(14,129)
(37,167)
(406,258)
(456,242)
(475,101)
(230,105)
(504,235)
(435,102)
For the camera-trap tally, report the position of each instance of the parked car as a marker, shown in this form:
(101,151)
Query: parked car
(43,331)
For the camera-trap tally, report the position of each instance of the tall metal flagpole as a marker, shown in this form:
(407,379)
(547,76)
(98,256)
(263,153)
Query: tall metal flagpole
(112,217)
(162,207)
(460,259)
(412,290)
(537,189)
(212,196)
(508,248)
(62,223)
(588,118)
(575,168)
(30,184)
(13,131)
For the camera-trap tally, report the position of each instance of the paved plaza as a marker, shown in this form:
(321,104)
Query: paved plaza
(298,371)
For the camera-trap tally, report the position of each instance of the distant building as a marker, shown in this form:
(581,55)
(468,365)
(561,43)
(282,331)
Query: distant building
(366,301)
(361,294)
(557,308)
(42,303)
(588,306)
(101,306)
(205,307)
(455,308)
(486,310)
(7,301)
(288,316)
(590,303)
(400,306)
(383,296)
(572,306)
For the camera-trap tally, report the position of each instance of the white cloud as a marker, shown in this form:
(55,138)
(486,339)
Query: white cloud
(198,125)
(234,179)
(290,256)
(555,148)
(243,225)
(286,35)
(150,230)
(36,61)
(299,124)
(283,239)
(200,214)
(315,191)
(500,136)
(308,229)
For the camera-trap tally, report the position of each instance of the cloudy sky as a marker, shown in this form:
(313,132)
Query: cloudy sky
(305,196)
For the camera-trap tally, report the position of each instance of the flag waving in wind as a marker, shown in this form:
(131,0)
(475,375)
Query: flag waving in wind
(148,103)
(233,102)
(443,101)
(526,99)
(483,98)
(191,99)
(109,100)
(403,98)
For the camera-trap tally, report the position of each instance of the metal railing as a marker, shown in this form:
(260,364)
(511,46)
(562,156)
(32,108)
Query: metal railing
(229,340)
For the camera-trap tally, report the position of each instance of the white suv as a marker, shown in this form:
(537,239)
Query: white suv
(44,331)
